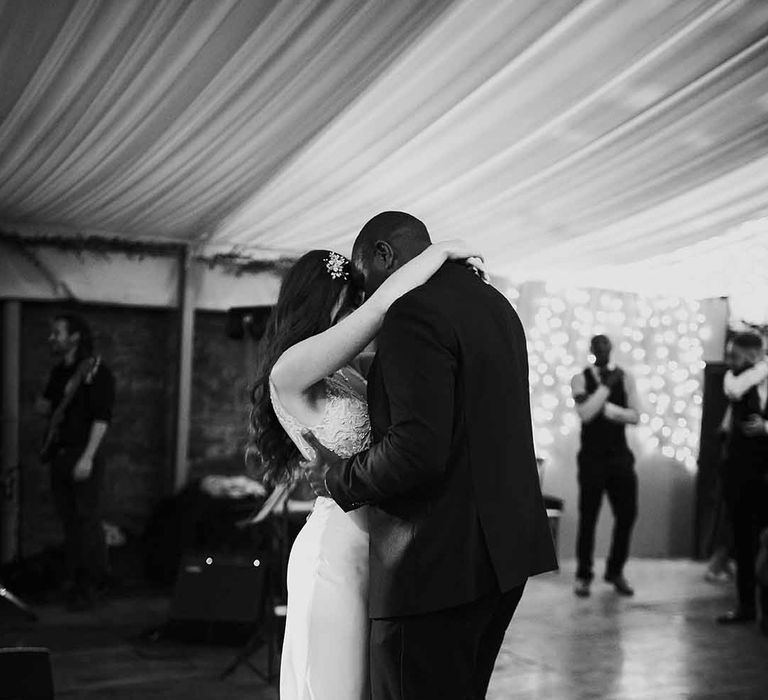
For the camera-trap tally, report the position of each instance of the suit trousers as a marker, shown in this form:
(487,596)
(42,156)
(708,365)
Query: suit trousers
(78,507)
(613,475)
(447,654)
(747,501)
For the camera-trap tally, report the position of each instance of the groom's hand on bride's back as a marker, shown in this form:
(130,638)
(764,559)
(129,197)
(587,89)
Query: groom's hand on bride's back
(316,470)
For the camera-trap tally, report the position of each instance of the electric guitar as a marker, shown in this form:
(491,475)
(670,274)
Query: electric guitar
(84,373)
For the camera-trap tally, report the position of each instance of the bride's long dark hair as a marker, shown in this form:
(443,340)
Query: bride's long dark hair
(309,292)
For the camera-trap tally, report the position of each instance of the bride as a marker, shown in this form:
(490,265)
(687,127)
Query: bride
(307,381)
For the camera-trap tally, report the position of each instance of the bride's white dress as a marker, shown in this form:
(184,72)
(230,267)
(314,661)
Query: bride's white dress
(325,651)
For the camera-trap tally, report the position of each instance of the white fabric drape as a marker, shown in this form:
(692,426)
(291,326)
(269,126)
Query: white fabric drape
(157,118)
(563,136)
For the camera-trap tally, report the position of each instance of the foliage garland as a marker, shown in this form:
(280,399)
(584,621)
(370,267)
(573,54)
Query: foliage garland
(236,261)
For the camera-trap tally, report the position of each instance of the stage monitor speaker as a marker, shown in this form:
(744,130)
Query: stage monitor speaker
(247,319)
(25,673)
(215,587)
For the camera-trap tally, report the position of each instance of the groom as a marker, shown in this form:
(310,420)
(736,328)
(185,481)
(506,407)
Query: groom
(457,521)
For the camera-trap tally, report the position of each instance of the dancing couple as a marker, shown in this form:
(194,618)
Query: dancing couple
(429,517)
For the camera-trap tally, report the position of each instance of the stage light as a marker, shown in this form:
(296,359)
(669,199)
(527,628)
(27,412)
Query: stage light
(256,562)
(209,560)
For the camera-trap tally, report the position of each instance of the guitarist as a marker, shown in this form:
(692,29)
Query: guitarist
(78,401)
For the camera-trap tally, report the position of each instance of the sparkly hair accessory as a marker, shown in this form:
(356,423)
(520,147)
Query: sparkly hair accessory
(337,266)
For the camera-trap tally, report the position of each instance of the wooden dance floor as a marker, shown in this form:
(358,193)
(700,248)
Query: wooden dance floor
(660,645)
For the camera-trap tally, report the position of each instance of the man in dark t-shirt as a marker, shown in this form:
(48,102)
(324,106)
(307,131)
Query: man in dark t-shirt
(83,386)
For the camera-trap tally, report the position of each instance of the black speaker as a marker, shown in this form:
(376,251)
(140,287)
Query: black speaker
(247,319)
(714,405)
(26,673)
(216,587)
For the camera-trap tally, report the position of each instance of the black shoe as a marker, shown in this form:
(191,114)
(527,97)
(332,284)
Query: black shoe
(739,616)
(620,584)
(581,587)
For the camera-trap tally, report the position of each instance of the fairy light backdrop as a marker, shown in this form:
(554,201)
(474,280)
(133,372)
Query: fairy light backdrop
(663,343)
(659,341)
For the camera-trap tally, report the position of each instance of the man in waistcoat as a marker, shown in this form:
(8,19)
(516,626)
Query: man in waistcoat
(606,401)
(745,477)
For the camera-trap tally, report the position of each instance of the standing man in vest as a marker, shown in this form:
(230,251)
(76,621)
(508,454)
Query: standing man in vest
(606,401)
(745,481)
(78,399)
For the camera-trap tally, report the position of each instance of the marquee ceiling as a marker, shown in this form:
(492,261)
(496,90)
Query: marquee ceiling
(566,137)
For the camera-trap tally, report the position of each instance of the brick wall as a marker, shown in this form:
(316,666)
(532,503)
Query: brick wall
(222,369)
(140,347)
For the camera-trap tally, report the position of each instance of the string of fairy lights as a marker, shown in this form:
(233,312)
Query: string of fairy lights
(658,340)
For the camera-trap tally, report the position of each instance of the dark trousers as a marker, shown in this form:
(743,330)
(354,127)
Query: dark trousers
(615,476)
(448,654)
(77,504)
(747,502)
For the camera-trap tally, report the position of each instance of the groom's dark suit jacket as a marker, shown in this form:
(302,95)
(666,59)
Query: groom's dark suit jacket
(456,508)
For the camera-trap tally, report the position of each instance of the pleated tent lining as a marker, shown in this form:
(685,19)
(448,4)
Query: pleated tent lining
(562,136)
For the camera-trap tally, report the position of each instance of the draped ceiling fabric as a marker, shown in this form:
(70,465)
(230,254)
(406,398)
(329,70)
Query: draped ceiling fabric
(569,139)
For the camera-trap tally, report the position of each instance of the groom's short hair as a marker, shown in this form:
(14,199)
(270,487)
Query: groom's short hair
(404,231)
(748,340)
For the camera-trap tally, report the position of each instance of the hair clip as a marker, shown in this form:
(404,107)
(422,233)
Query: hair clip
(337,266)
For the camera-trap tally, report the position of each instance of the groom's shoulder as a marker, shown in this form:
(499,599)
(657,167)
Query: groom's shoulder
(449,300)
(419,301)
(418,307)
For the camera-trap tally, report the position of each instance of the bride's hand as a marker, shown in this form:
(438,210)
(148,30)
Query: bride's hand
(477,265)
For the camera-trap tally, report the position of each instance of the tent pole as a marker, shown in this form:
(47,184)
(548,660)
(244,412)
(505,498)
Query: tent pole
(186,307)
(9,467)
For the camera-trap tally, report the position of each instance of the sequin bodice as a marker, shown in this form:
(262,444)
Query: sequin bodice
(345,428)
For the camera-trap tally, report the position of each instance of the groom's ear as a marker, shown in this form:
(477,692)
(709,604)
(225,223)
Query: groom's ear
(384,255)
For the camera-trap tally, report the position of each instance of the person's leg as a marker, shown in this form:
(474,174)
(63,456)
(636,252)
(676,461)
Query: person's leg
(590,496)
(62,489)
(492,638)
(92,547)
(761,562)
(745,549)
(735,492)
(621,489)
(720,540)
(434,655)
